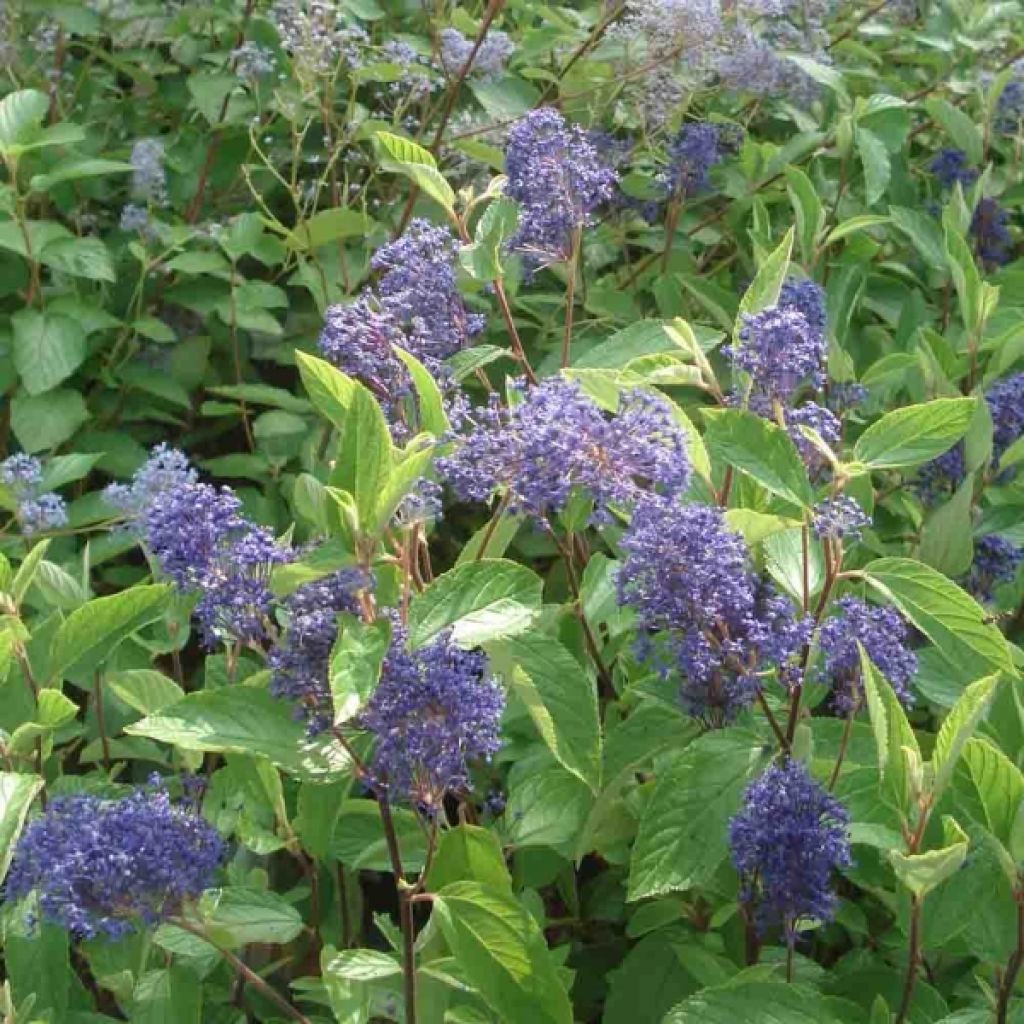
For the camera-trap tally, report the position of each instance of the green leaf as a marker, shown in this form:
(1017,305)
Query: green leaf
(502,953)
(328,388)
(989,788)
(168,996)
(961,128)
(412,467)
(468,853)
(922,872)
(560,699)
(430,405)
(946,540)
(144,689)
(27,571)
(952,620)
(245,720)
(482,258)
(21,119)
(683,831)
(73,170)
(359,843)
(958,727)
(355,664)
(44,421)
(759,449)
(417,164)
(924,233)
(48,348)
(810,214)
(237,916)
(855,224)
(90,633)
(481,601)
(875,161)
(328,226)
(914,434)
(764,289)
(16,795)
(80,257)
(753,1002)
(364,454)
(966,278)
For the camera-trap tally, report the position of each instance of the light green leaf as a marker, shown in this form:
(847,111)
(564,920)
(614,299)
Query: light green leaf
(73,170)
(753,1002)
(875,161)
(855,224)
(245,720)
(989,788)
(764,289)
(759,449)
(914,434)
(481,601)
(946,540)
(48,348)
(355,664)
(468,853)
(922,872)
(328,388)
(144,689)
(16,795)
(80,257)
(172,995)
(683,832)
(958,727)
(21,119)
(502,952)
(430,405)
(417,164)
(560,699)
(27,571)
(364,455)
(237,916)
(328,226)
(962,129)
(810,214)
(924,233)
(45,421)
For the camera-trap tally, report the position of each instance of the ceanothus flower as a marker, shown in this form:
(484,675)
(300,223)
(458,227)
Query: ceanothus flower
(435,710)
(807,297)
(840,518)
(166,469)
(300,660)
(787,841)
(35,510)
(781,350)
(699,146)
(556,439)
(490,58)
(995,561)
(558,180)
(253,61)
(883,634)
(702,611)
(991,232)
(109,867)
(149,178)
(315,33)
(824,423)
(950,166)
(1010,105)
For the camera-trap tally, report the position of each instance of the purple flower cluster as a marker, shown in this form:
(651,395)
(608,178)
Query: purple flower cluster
(300,661)
(824,423)
(434,710)
(558,179)
(204,544)
(416,307)
(883,634)
(557,440)
(787,841)
(950,166)
(697,148)
(702,611)
(840,518)
(35,510)
(110,866)
(991,232)
(1010,105)
(995,561)
(149,178)
(490,58)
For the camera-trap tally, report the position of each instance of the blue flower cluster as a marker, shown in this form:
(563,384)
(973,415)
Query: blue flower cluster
(996,561)
(558,179)
(111,866)
(883,634)
(840,518)
(149,178)
(416,306)
(490,58)
(300,661)
(787,841)
(950,166)
(434,710)
(204,544)
(703,613)
(555,440)
(1010,105)
(698,146)
(990,228)
(35,510)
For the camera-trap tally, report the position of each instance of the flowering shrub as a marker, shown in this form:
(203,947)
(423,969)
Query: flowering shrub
(512,512)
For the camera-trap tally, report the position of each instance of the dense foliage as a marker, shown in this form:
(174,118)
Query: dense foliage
(511,511)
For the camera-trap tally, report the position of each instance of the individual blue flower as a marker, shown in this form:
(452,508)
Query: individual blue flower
(36,510)
(109,867)
(787,842)
(883,634)
(558,180)
(991,232)
(435,710)
(840,518)
(996,561)
(300,660)
(950,167)
(556,440)
(702,613)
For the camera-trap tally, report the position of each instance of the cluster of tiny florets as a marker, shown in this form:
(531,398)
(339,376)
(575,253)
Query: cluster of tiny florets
(990,228)
(883,634)
(166,469)
(435,710)
(996,561)
(253,61)
(35,509)
(950,166)
(781,351)
(558,180)
(840,518)
(315,33)
(703,614)
(787,841)
(556,440)
(300,661)
(696,149)
(111,866)
(149,177)
(490,58)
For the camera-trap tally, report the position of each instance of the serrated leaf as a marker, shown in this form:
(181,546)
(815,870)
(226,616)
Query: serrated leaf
(417,164)
(922,872)
(21,118)
(875,161)
(750,1001)
(48,348)
(144,689)
(16,795)
(958,727)
(363,462)
(328,226)
(480,601)
(328,388)
(764,289)
(237,916)
(914,434)
(468,853)
(355,664)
